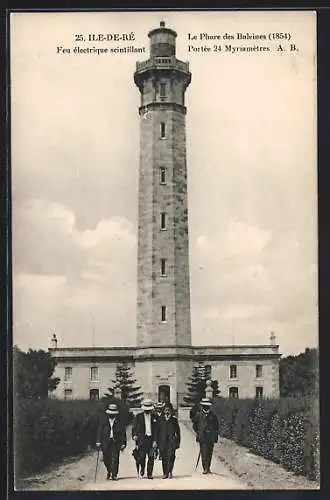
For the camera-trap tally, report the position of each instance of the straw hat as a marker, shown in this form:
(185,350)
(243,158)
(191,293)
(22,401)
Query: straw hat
(147,404)
(206,402)
(112,409)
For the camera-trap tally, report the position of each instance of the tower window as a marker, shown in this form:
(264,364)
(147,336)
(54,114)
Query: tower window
(233,371)
(162,89)
(67,373)
(233,392)
(162,130)
(162,175)
(163,220)
(259,392)
(94,373)
(258,371)
(163,267)
(163,314)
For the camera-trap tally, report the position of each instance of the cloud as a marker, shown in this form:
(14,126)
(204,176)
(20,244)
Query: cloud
(242,238)
(257,281)
(63,277)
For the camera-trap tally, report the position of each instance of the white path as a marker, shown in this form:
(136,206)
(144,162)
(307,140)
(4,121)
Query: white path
(184,475)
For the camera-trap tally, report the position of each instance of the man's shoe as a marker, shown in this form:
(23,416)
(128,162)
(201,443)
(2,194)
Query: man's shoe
(170,475)
(114,478)
(108,475)
(204,472)
(165,476)
(149,476)
(142,472)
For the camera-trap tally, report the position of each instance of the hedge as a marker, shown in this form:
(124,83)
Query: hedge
(48,430)
(285,431)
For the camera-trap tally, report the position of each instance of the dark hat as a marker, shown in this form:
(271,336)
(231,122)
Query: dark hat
(112,409)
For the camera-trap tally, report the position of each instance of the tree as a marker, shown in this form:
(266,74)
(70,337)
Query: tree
(299,374)
(193,388)
(33,373)
(196,386)
(130,394)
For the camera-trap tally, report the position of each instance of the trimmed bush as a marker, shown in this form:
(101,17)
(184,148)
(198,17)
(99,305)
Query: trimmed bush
(48,430)
(284,430)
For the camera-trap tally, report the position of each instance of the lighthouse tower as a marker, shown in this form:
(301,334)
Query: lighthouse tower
(163,357)
(163,298)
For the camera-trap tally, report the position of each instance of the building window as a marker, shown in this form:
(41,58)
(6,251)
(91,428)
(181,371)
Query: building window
(67,373)
(162,130)
(258,371)
(163,314)
(259,392)
(233,392)
(94,394)
(94,373)
(163,267)
(233,371)
(162,89)
(67,393)
(162,175)
(163,221)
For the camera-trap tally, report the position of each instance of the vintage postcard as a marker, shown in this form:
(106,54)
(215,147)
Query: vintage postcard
(164,236)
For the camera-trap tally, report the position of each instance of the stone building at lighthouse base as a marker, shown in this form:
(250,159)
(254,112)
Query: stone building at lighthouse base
(243,371)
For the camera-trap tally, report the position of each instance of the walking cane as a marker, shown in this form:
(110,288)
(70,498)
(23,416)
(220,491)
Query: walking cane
(97,463)
(199,456)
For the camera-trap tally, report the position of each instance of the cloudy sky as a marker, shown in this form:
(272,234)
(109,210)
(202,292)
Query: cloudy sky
(251,152)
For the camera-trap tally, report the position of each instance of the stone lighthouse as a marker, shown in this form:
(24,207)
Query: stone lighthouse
(163,295)
(163,357)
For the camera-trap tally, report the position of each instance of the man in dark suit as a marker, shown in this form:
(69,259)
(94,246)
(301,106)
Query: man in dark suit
(145,435)
(159,414)
(111,437)
(206,427)
(159,409)
(168,439)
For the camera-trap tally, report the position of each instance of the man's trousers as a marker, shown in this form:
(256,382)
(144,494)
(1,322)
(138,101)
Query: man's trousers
(168,459)
(206,448)
(147,450)
(111,457)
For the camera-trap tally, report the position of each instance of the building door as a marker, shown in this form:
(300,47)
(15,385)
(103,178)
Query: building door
(94,394)
(164,393)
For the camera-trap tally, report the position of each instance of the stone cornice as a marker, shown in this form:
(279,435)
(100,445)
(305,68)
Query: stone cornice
(137,353)
(162,105)
(154,67)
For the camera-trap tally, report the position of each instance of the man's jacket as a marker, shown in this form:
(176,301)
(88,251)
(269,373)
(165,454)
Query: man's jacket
(139,430)
(206,427)
(103,431)
(169,434)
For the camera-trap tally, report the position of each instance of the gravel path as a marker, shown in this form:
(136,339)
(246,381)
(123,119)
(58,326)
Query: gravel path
(233,467)
(184,475)
(79,474)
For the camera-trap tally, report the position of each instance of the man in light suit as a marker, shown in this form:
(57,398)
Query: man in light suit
(111,438)
(145,435)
